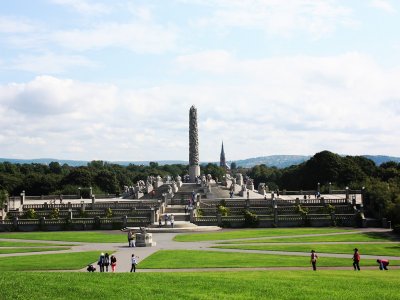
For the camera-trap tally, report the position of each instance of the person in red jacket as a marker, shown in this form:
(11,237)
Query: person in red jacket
(356,260)
(383,263)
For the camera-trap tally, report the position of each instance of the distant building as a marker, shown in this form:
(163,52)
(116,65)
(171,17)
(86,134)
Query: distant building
(222,160)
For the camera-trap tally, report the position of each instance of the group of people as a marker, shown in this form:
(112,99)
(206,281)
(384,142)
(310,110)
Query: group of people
(167,218)
(105,261)
(383,263)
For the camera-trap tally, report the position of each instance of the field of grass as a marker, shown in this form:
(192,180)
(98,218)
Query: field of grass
(357,237)
(28,244)
(69,236)
(59,261)
(181,259)
(368,249)
(36,249)
(369,285)
(254,233)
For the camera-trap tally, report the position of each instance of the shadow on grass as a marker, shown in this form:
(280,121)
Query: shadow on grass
(383,235)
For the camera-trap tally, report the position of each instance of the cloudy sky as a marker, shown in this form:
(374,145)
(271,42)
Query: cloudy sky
(114,80)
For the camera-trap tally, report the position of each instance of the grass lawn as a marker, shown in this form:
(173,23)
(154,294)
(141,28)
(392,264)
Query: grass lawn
(254,233)
(69,236)
(27,244)
(37,249)
(368,249)
(181,259)
(357,237)
(61,261)
(370,285)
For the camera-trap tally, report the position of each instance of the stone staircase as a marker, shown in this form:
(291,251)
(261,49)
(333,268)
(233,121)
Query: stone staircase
(179,213)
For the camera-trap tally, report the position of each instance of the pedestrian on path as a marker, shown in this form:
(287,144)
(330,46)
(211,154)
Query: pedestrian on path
(172,220)
(134,262)
(133,240)
(106,261)
(159,222)
(313,260)
(383,263)
(100,262)
(130,238)
(166,219)
(356,260)
(113,260)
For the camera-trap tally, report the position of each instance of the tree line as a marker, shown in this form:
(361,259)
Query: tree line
(382,183)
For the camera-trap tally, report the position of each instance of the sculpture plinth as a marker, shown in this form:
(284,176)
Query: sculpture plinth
(144,240)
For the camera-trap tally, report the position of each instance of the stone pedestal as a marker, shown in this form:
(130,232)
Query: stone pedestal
(194,172)
(144,240)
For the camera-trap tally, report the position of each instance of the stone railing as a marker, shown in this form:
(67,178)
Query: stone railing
(73,224)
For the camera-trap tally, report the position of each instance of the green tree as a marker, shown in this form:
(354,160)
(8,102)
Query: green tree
(107,181)
(215,171)
(78,176)
(3,197)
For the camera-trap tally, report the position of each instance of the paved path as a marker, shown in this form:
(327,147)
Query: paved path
(165,242)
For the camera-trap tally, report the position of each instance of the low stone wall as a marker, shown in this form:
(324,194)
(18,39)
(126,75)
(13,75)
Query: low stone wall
(73,224)
(267,221)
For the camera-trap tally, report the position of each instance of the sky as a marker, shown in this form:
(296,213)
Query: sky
(114,80)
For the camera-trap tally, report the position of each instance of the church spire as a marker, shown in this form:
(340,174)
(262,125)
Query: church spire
(222,161)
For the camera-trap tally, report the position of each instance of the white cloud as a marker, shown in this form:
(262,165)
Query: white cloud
(278,17)
(10,24)
(383,5)
(217,61)
(281,105)
(84,6)
(49,63)
(138,37)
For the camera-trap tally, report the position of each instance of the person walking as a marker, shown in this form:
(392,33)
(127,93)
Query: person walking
(159,222)
(106,261)
(134,262)
(172,220)
(133,240)
(383,263)
(101,262)
(356,260)
(113,260)
(313,260)
(166,219)
(129,238)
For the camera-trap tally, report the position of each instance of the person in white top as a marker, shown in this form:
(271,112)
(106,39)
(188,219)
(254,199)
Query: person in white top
(134,262)
(172,220)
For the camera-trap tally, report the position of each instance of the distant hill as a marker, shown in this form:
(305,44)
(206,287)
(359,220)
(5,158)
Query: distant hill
(279,161)
(45,161)
(380,159)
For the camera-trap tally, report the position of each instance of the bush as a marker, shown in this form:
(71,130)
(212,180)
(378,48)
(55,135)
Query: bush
(109,213)
(223,210)
(55,214)
(396,228)
(30,214)
(250,219)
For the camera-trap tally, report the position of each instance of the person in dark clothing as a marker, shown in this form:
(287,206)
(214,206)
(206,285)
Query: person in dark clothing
(356,260)
(90,268)
(106,261)
(383,263)
(101,262)
(313,260)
